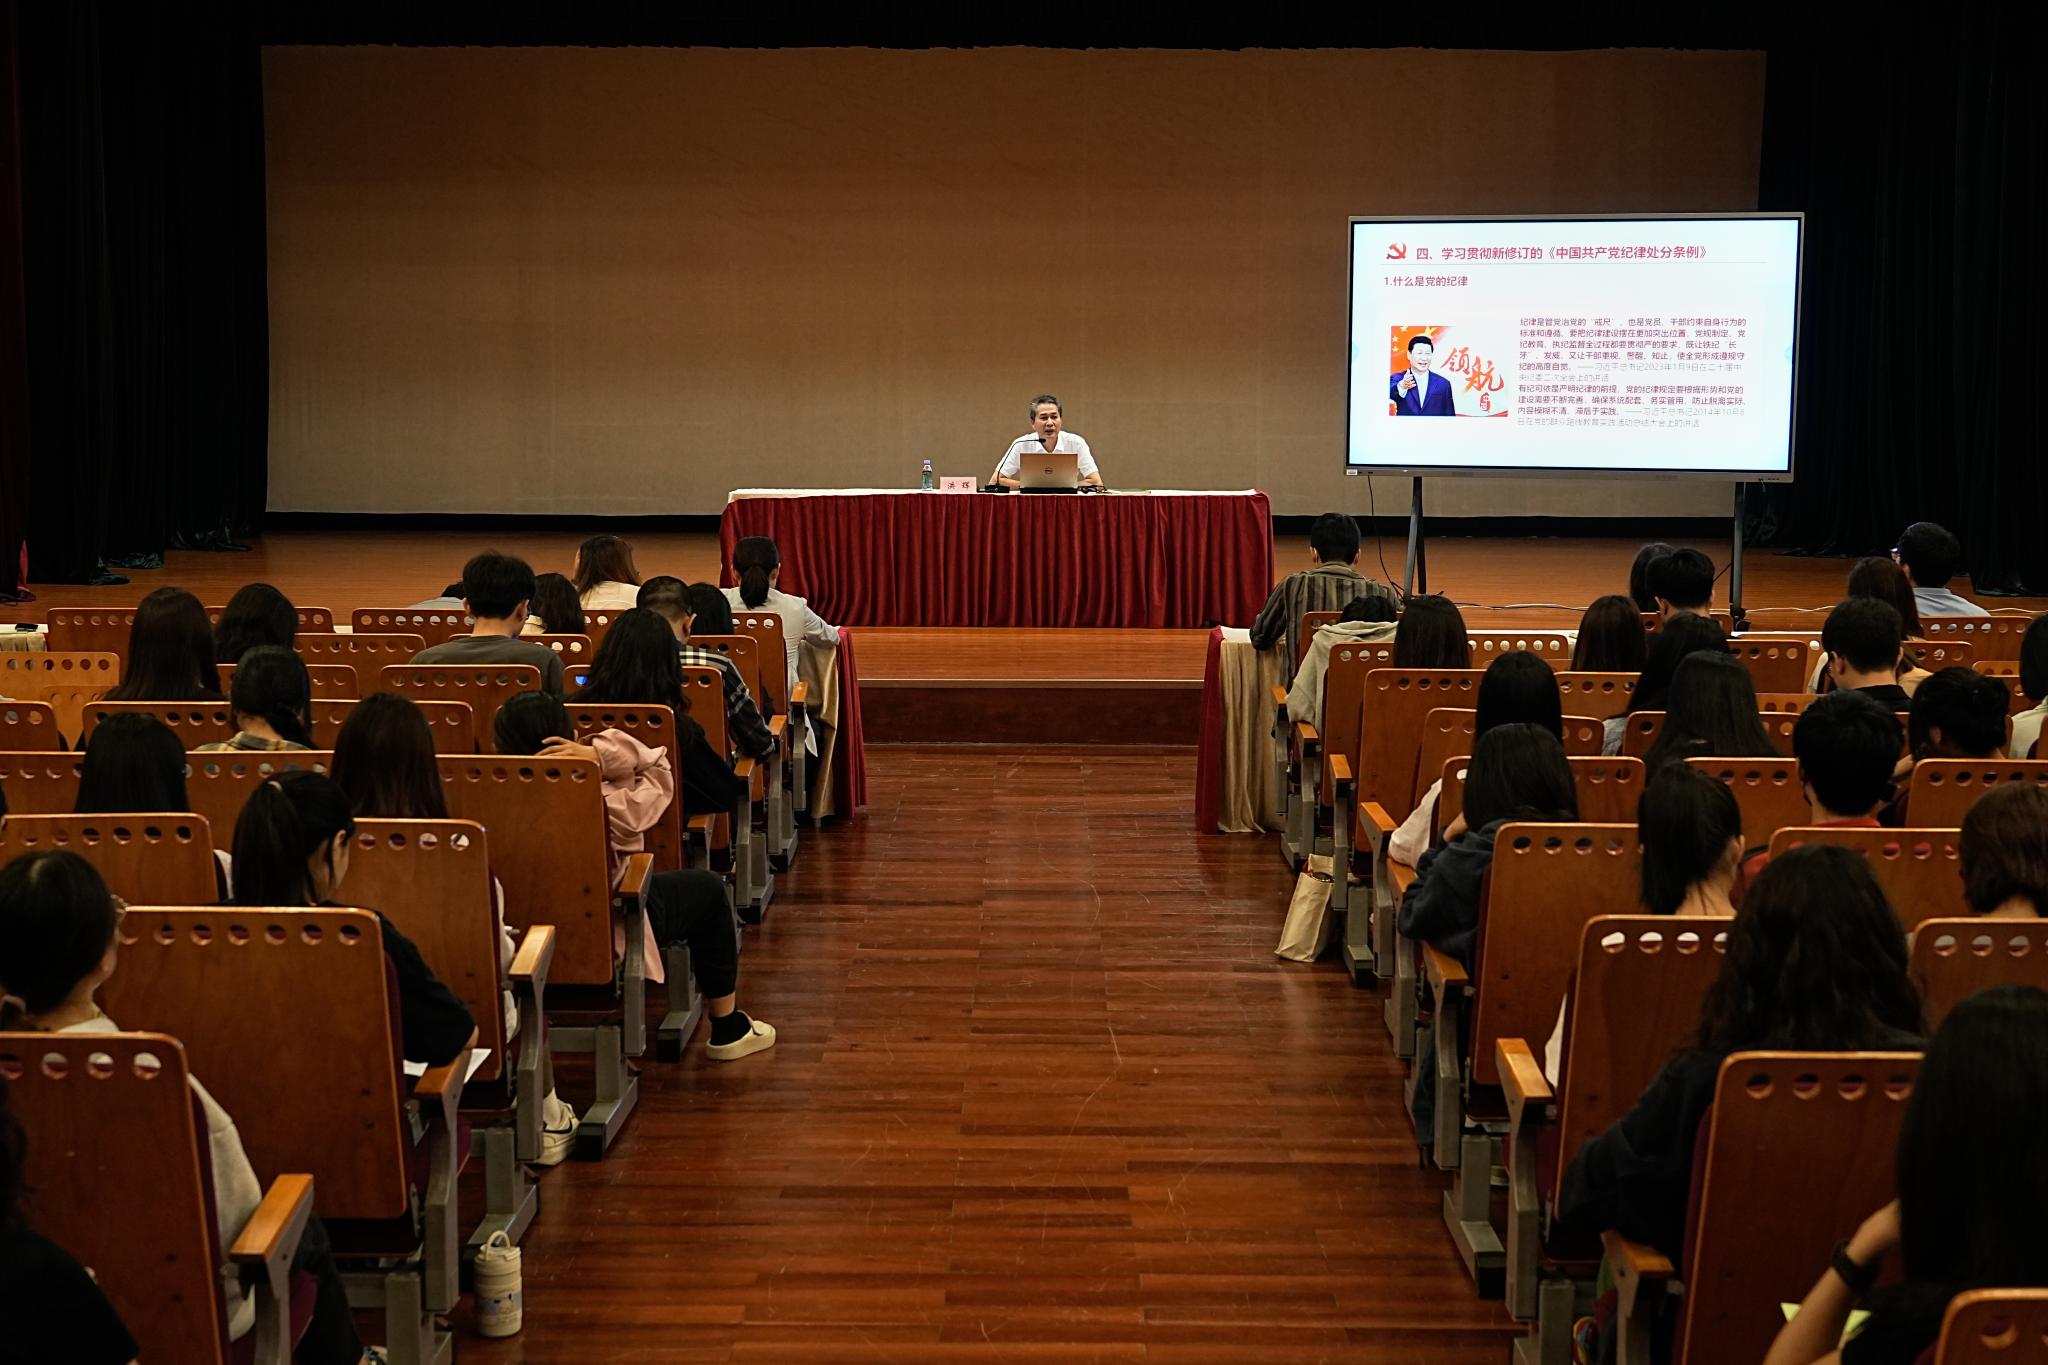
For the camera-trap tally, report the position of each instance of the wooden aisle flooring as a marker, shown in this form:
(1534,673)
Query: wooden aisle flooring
(1042,1093)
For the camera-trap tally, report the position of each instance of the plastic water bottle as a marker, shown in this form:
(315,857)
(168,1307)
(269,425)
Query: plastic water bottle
(927,476)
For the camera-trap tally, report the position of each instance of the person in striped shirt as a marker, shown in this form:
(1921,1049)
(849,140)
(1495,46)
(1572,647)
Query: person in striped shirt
(1330,583)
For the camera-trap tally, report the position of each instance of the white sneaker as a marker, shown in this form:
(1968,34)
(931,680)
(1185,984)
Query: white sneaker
(757,1038)
(557,1131)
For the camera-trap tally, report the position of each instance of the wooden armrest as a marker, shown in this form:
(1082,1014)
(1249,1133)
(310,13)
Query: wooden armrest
(1340,772)
(778,726)
(1279,696)
(634,874)
(536,954)
(1400,877)
(1441,970)
(1305,735)
(800,697)
(744,770)
(1375,815)
(445,1080)
(271,1236)
(701,824)
(1635,1264)
(1521,1076)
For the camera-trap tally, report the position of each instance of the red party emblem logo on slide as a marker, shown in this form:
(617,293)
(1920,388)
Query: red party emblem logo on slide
(1397,251)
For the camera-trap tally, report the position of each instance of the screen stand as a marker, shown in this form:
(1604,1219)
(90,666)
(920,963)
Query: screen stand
(1735,565)
(1416,579)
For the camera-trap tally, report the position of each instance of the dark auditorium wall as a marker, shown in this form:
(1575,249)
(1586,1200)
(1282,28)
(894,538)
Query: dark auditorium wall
(625,280)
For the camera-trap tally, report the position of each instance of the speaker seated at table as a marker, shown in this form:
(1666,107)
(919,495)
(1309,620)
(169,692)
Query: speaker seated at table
(1048,437)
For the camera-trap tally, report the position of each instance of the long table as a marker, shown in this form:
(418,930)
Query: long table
(889,557)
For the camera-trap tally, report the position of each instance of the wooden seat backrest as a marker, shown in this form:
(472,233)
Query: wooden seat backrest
(654,726)
(193,722)
(312,620)
(1919,869)
(484,687)
(549,849)
(334,682)
(1944,789)
(1775,664)
(1311,622)
(1392,710)
(1768,791)
(1935,655)
(432,878)
(1653,623)
(751,660)
(1983,1325)
(1554,647)
(44,783)
(362,652)
(1608,788)
(1785,703)
(1990,637)
(1798,1147)
(158,858)
(1600,695)
(1787,621)
(704,691)
(2008,670)
(766,629)
(94,629)
(235,983)
(1954,958)
(1634,1003)
(1447,734)
(435,625)
(573,648)
(1640,735)
(217,785)
(1344,696)
(451,723)
(113,1176)
(1545,882)
(598,624)
(63,682)
(27,725)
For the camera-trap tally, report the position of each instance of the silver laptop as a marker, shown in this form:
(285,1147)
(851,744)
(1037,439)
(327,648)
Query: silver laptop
(1040,471)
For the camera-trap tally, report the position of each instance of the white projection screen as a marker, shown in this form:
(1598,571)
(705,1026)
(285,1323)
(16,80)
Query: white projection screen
(1632,346)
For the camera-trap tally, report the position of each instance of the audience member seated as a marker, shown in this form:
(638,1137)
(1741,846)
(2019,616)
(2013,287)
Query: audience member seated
(758,565)
(1690,826)
(1972,1192)
(556,608)
(1847,745)
(1432,635)
(1639,575)
(1711,712)
(498,591)
(54,1308)
(1865,643)
(1887,582)
(1331,583)
(1932,557)
(2026,726)
(637,665)
(449,600)
(292,849)
(272,699)
(711,611)
(59,941)
(669,599)
(170,652)
(1681,582)
(134,764)
(1365,620)
(1815,962)
(384,764)
(2003,853)
(605,578)
(257,614)
(1682,635)
(1957,713)
(690,907)
(1518,689)
(1611,637)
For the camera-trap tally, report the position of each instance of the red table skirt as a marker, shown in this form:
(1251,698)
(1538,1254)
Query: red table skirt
(938,559)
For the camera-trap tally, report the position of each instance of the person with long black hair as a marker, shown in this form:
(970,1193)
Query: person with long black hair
(1683,634)
(1972,1192)
(272,700)
(758,565)
(135,764)
(637,665)
(1710,712)
(170,652)
(257,614)
(2026,726)
(556,609)
(1611,637)
(1519,688)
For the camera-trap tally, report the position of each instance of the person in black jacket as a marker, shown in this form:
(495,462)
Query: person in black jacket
(1815,962)
(637,665)
(291,848)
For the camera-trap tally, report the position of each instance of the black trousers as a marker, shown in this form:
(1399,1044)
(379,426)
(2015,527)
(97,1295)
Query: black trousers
(330,1337)
(693,908)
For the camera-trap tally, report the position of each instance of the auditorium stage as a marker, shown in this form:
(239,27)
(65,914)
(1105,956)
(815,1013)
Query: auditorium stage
(963,685)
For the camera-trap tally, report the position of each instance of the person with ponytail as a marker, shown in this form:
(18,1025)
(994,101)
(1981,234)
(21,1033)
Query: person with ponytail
(605,578)
(758,566)
(690,907)
(272,699)
(59,940)
(291,849)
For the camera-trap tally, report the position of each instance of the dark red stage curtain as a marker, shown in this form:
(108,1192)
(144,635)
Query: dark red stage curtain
(916,559)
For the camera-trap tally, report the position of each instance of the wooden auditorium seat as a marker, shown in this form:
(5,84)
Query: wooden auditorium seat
(1635,1000)
(362,652)
(40,783)
(432,878)
(452,723)
(217,785)
(565,880)
(333,682)
(151,858)
(1983,1326)
(574,649)
(1798,1149)
(1767,789)
(193,722)
(30,726)
(1300,748)
(1785,703)
(1554,647)
(1608,788)
(1639,735)
(793,701)
(1919,869)
(236,984)
(1599,695)
(312,620)
(1935,655)
(1776,663)
(1448,733)
(753,881)
(483,687)
(748,657)
(91,629)
(62,682)
(1652,622)
(1954,958)
(1989,637)
(434,625)
(1546,881)
(1944,789)
(1311,622)
(2007,670)
(119,1174)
